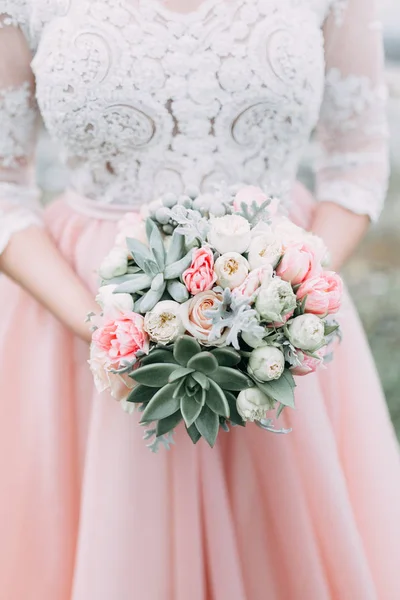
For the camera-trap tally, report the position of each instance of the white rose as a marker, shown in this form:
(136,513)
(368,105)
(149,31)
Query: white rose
(113,304)
(266,363)
(230,234)
(275,300)
(306,332)
(115,264)
(164,323)
(265,249)
(253,405)
(231,269)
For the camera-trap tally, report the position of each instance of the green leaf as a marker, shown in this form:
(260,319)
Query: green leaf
(180,388)
(231,379)
(194,434)
(216,400)
(151,268)
(175,270)
(141,393)
(281,390)
(208,425)
(235,417)
(201,380)
(177,291)
(190,410)
(140,252)
(226,357)
(157,247)
(150,226)
(157,356)
(158,283)
(179,373)
(168,424)
(280,410)
(329,329)
(150,299)
(200,396)
(185,348)
(135,284)
(162,405)
(154,375)
(176,248)
(205,362)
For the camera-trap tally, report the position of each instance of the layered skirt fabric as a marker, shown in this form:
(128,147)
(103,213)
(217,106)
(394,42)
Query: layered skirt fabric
(88,513)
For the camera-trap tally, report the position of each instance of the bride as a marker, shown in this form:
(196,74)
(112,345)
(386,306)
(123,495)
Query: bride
(147,96)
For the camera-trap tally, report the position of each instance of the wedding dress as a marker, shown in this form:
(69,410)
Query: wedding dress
(145,99)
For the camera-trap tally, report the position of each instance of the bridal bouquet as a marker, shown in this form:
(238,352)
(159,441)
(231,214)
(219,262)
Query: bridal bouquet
(211,304)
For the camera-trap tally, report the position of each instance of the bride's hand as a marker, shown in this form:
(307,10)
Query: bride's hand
(33,261)
(341,230)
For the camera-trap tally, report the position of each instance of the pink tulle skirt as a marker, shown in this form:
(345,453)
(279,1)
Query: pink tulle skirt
(88,513)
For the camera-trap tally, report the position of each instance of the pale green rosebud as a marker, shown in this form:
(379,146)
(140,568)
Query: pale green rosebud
(275,300)
(266,363)
(253,405)
(307,332)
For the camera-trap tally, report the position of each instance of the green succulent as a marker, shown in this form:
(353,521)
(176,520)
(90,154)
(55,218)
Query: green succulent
(157,271)
(190,384)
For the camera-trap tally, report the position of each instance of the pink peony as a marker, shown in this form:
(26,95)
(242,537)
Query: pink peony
(118,385)
(253,281)
(324,293)
(122,338)
(309,364)
(200,276)
(298,263)
(249,194)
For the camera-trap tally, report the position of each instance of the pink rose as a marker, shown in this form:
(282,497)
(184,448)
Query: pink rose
(122,338)
(253,281)
(298,263)
(194,319)
(249,194)
(308,364)
(200,276)
(324,293)
(130,226)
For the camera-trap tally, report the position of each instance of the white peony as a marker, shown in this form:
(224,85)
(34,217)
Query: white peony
(113,304)
(231,269)
(230,233)
(306,332)
(275,300)
(253,405)
(266,363)
(164,323)
(114,264)
(265,249)
(289,233)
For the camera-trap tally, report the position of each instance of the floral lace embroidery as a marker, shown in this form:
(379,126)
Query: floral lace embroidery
(17,125)
(146,100)
(352,102)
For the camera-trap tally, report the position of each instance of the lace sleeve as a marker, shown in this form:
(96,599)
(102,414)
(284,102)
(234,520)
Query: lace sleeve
(352,168)
(19,197)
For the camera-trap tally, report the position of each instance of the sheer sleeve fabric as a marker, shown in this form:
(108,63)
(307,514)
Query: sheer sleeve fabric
(19,196)
(352,168)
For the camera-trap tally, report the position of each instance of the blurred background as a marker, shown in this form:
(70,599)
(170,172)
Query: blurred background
(373,274)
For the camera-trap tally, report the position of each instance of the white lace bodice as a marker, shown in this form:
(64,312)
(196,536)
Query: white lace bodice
(144,99)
